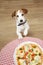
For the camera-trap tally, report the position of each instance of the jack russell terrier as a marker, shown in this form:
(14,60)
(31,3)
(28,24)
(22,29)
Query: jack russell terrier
(21,22)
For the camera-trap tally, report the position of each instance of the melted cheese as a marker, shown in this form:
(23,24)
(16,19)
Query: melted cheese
(22,62)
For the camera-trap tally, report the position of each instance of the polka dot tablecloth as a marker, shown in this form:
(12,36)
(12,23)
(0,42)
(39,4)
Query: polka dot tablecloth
(6,54)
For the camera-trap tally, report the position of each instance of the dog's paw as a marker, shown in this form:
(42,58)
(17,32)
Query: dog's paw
(25,33)
(20,37)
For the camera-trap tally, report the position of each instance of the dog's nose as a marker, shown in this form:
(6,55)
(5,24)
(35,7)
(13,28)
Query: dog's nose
(21,20)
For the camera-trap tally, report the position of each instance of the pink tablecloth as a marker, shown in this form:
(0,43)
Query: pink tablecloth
(6,54)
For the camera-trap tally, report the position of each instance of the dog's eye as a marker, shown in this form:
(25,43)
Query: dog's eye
(22,14)
(17,15)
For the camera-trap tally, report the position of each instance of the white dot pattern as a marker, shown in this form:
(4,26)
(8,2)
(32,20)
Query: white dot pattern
(6,54)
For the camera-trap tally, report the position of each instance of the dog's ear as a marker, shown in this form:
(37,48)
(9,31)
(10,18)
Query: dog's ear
(25,11)
(14,14)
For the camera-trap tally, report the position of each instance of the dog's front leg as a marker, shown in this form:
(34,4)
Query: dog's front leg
(26,30)
(19,35)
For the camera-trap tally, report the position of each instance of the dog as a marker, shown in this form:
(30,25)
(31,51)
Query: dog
(21,22)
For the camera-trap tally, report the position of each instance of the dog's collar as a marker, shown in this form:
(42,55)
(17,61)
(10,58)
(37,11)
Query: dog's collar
(21,23)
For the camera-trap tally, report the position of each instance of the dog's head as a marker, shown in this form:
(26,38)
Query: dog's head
(20,15)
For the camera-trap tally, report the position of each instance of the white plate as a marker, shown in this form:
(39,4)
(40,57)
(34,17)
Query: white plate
(21,44)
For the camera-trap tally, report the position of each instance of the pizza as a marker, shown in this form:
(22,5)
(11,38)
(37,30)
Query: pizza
(29,54)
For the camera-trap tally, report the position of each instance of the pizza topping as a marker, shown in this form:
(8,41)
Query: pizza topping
(28,56)
(39,54)
(33,55)
(20,49)
(34,46)
(37,59)
(36,50)
(18,57)
(30,50)
(26,47)
(22,62)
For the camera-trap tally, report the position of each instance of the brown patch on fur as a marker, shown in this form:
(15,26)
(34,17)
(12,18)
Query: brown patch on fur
(14,14)
(25,11)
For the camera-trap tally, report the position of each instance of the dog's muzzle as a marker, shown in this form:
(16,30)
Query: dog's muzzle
(21,23)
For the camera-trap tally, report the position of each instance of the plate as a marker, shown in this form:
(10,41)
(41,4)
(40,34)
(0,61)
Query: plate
(28,53)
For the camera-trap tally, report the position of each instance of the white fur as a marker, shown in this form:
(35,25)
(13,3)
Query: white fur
(22,28)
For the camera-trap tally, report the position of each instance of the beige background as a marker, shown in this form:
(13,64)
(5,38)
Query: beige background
(7,24)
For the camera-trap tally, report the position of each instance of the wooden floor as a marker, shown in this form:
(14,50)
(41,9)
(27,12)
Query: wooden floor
(7,24)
